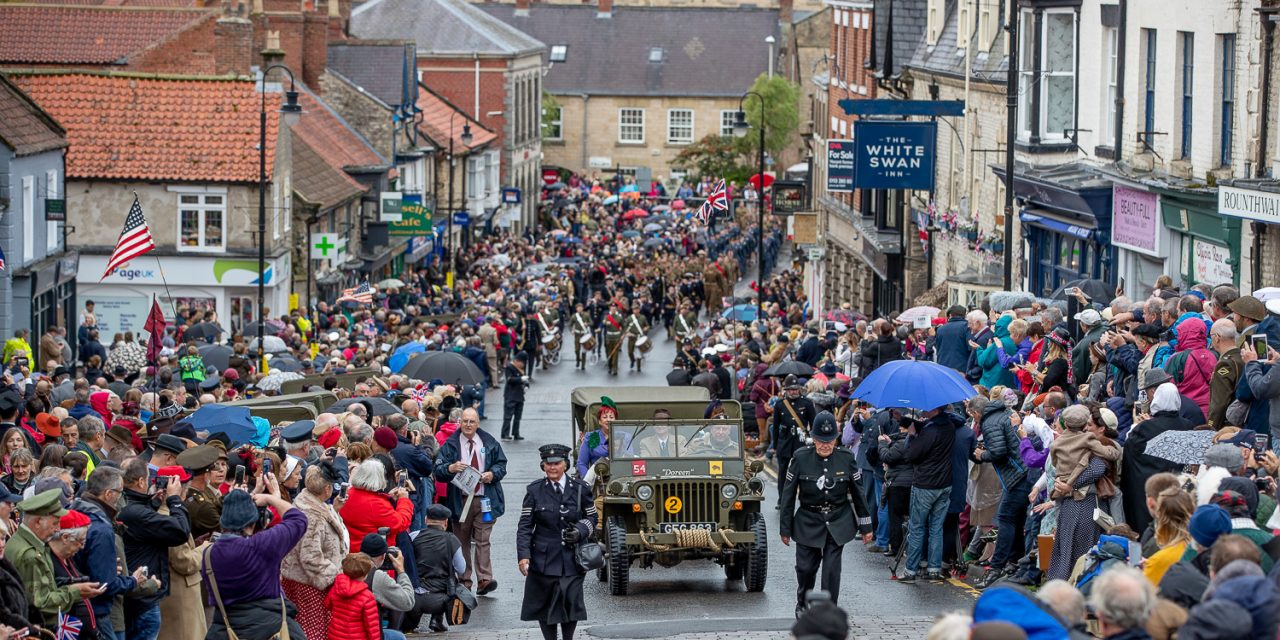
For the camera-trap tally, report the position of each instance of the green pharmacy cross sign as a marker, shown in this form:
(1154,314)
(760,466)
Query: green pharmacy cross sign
(327,246)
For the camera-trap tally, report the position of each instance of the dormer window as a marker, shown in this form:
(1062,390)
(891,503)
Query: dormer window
(656,54)
(559,52)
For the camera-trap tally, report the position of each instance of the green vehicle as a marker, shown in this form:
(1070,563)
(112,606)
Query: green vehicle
(696,498)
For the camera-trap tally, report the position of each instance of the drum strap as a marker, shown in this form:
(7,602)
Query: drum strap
(636,323)
(685,323)
(543,323)
(577,318)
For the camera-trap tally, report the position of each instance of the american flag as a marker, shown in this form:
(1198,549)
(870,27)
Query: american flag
(1,259)
(135,240)
(68,627)
(361,294)
(718,200)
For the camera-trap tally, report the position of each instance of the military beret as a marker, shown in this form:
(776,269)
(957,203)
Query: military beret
(199,458)
(46,503)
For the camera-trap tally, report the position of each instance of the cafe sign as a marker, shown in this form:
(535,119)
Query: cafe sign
(415,220)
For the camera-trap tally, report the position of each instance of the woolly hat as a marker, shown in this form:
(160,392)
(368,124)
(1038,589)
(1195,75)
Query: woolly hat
(1207,523)
(330,438)
(385,438)
(238,511)
(73,520)
(1246,488)
(373,545)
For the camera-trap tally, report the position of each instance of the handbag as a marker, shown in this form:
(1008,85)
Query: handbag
(588,554)
(217,598)
(461,602)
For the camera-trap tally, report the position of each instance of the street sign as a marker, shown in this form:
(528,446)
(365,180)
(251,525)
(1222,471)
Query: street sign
(415,221)
(391,204)
(894,155)
(599,162)
(510,195)
(462,218)
(816,253)
(327,246)
(55,209)
(840,166)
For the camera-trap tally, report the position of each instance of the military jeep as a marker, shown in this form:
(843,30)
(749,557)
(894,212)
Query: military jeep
(698,500)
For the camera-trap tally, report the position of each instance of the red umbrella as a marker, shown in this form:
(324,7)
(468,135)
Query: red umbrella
(755,181)
(635,213)
(677,204)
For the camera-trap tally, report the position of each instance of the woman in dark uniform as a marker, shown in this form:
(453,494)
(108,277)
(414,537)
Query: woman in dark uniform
(558,511)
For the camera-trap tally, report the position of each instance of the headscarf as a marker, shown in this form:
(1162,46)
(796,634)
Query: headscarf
(1167,398)
(1038,426)
(99,403)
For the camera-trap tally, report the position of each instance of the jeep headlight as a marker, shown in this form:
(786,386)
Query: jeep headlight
(756,486)
(644,492)
(616,488)
(729,491)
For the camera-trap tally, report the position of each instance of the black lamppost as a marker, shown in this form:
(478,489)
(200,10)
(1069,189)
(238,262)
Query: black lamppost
(466,141)
(290,112)
(740,128)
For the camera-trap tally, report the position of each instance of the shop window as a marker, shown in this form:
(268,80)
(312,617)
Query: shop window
(202,221)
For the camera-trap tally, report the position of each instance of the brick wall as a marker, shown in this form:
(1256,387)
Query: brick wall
(455,80)
(314,47)
(191,51)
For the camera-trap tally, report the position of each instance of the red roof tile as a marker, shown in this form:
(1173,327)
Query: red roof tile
(129,127)
(47,34)
(436,115)
(23,126)
(323,148)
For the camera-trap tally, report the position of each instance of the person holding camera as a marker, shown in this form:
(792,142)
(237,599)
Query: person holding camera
(148,535)
(394,595)
(558,513)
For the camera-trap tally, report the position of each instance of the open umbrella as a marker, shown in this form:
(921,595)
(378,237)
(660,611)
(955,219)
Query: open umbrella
(402,354)
(277,377)
(609,200)
(218,418)
(661,207)
(554,186)
(630,233)
(914,313)
(203,331)
(449,366)
(218,355)
(913,384)
(377,406)
(391,283)
(755,180)
(1267,293)
(789,368)
(677,204)
(629,188)
(635,213)
(268,329)
(570,239)
(272,344)
(283,362)
(1181,447)
(742,312)
(653,242)
(558,232)
(652,227)
(1097,290)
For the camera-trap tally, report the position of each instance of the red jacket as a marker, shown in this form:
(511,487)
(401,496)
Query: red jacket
(355,612)
(365,512)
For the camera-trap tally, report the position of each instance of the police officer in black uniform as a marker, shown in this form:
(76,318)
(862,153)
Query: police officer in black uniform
(792,417)
(824,477)
(558,512)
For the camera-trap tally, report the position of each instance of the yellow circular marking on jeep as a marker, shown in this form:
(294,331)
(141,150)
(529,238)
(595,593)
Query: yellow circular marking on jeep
(673,505)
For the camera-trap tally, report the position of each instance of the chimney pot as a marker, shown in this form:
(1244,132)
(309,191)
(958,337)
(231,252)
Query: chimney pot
(522,7)
(605,9)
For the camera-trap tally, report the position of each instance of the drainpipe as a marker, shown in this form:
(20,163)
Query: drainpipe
(1121,38)
(476,111)
(583,164)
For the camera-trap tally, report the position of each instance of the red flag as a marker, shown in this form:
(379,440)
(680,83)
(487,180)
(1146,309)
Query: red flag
(155,326)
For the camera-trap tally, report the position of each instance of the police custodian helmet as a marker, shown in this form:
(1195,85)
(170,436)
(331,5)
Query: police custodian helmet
(824,427)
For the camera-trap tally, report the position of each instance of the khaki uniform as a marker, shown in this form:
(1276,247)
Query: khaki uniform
(34,562)
(612,341)
(580,323)
(686,324)
(711,286)
(1222,387)
(204,508)
(635,328)
(182,612)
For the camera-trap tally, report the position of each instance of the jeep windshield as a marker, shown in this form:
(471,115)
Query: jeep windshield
(675,439)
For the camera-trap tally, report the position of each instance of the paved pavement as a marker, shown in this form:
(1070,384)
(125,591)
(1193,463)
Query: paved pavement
(692,601)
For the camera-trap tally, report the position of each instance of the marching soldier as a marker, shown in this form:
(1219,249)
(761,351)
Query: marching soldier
(547,320)
(636,328)
(792,417)
(597,309)
(612,328)
(204,502)
(686,322)
(581,325)
(824,478)
(529,339)
(711,284)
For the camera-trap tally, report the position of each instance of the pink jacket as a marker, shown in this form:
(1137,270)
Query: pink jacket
(1197,363)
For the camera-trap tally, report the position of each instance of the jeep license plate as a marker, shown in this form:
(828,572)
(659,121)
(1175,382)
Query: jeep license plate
(671,527)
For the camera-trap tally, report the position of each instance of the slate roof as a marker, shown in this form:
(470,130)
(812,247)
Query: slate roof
(48,34)
(24,127)
(945,58)
(436,115)
(439,27)
(325,149)
(140,127)
(707,52)
(376,67)
(909,21)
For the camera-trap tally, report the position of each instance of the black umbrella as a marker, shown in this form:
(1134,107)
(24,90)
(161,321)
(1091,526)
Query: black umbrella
(268,329)
(377,406)
(789,368)
(284,362)
(449,366)
(203,331)
(1097,290)
(218,355)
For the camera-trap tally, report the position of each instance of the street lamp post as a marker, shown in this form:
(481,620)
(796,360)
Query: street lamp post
(466,141)
(740,128)
(290,112)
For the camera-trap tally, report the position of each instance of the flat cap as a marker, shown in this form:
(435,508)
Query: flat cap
(45,503)
(120,434)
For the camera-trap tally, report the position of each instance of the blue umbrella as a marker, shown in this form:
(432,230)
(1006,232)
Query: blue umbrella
(402,355)
(630,233)
(217,418)
(629,188)
(570,239)
(913,384)
(609,200)
(743,312)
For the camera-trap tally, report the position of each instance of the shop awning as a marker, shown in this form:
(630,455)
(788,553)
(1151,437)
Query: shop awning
(1046,220)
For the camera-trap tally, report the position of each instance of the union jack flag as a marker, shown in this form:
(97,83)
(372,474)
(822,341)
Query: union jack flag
(362,294)
(135,240)
(68,627)
(717,200)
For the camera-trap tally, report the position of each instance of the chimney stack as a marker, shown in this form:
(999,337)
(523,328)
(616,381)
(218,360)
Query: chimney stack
(522,7)
(786,11)
(232,45)
(605,9)
(315,48)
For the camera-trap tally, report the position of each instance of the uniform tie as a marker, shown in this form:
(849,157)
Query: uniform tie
(558,489)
